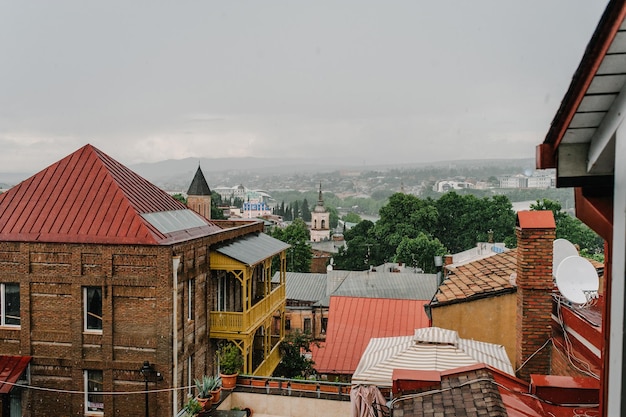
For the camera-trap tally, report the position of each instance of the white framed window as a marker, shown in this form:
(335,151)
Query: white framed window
(92,309)
(10,300)
(191,296)
(190,384)
(94,400)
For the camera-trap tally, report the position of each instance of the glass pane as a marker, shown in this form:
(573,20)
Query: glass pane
(12,304)
(94,388)
(94,308)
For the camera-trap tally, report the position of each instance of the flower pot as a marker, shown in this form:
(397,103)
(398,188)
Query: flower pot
(206,403)
(229,381)
(216,396)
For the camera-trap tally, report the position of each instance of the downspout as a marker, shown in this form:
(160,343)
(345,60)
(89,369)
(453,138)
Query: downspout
(175,264)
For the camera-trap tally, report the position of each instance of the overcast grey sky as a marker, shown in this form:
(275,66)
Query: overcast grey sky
(375,81)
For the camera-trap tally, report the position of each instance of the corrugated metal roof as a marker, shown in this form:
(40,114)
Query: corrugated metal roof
(353,321)
(303,286)
(444,350)
(491,275)
(252,249)
(11,370)
(400,285)
(88,197)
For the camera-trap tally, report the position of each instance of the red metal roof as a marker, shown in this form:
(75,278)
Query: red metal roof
(11,369)
(88,197)
(353,321)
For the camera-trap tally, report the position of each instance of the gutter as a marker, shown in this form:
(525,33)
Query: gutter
(175,264)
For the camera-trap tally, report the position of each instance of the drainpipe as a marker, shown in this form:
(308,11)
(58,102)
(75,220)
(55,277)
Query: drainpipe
(175,264)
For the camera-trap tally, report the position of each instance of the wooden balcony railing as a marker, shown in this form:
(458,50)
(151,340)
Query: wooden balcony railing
(269,364)
(223,322)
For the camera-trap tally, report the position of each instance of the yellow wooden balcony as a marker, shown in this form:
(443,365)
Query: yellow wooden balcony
(266,368)
(225,323)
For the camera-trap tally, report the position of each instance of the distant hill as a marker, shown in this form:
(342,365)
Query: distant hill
(176,173)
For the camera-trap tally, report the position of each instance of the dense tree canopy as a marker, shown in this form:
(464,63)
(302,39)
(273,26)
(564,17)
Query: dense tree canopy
(414,230)
(299,255)
(293,363)
(572,229)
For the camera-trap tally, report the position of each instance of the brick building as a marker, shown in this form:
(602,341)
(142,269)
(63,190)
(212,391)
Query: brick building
(101,272)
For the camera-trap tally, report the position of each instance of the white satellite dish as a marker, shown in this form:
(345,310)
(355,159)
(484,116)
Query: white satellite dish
(577,279)
(561,249)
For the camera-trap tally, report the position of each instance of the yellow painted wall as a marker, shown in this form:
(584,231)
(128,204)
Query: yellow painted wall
(489,319)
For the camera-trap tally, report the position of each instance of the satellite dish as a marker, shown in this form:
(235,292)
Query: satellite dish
(561,249)
(577,279)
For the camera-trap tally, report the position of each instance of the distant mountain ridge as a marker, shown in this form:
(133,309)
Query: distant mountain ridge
(181,171)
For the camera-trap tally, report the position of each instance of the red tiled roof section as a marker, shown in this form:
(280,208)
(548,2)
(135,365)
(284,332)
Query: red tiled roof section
(86,197)
(353,321)
(483,276)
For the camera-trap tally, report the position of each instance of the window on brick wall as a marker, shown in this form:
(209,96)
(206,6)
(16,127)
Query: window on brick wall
(92,309)
(191,296)
(10,299)
(307,325)
(94,400)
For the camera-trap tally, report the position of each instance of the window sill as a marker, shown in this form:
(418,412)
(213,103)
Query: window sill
(10,327)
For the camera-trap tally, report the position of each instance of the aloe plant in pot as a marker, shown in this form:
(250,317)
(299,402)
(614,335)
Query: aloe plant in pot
(204,386)
(231,363)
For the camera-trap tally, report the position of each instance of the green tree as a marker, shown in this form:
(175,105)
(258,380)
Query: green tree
(216,212)
(299,255)
(420,252)
(306,212)
(293,362)
(352,217)
(180,198)
(333,217)
(404,215)
(464,220)
(572,229)
(362,250)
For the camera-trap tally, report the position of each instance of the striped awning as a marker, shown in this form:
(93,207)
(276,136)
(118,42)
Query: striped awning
(430,349)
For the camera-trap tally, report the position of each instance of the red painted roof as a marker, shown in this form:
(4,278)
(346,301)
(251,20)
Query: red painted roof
(88,197)
(11,369)
(353,321)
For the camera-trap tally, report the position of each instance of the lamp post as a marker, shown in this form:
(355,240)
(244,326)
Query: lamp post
(149,375)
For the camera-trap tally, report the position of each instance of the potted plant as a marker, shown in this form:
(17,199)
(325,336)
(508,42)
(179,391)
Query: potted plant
(231,363)
(204,387)
(216,390)
(192,407)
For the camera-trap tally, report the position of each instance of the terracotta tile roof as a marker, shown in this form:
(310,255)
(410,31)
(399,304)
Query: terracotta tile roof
(471,393)
(490,275)
(88,197)
(480,390)
(353,321)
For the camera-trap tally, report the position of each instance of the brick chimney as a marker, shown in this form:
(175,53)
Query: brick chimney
(535,233)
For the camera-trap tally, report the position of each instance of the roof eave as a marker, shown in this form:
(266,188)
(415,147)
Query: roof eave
(592,58)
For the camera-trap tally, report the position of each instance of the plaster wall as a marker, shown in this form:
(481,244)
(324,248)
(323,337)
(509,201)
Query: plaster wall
(489,320)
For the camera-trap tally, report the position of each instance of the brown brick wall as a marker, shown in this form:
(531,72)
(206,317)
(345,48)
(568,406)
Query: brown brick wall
(534,300)
(137,320)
